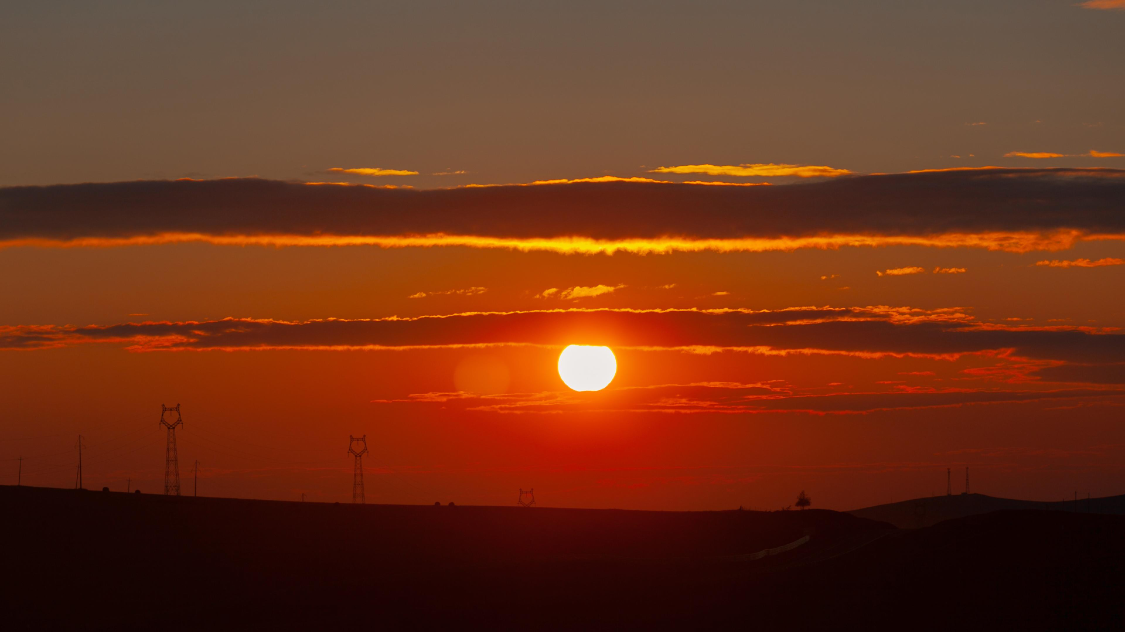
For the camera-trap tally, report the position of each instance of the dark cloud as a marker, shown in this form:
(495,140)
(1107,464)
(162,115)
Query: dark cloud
(911,204)
(1084,373)
(851,330)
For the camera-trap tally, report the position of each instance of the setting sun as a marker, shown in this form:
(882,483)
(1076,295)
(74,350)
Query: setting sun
(585,368)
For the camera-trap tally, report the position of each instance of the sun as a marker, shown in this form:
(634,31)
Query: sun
(585,368)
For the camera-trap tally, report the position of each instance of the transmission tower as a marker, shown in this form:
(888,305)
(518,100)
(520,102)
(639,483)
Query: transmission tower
(171,459)
(357,480)
(948,481)
(966,481)
(527,498)
(78,476)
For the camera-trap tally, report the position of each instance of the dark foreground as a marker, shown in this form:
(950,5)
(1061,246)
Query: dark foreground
(103,560)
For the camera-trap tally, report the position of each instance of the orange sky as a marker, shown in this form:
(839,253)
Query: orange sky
(858,373)
(837,250)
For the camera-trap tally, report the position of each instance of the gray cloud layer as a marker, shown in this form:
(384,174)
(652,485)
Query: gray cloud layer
(933,203)
(863,330)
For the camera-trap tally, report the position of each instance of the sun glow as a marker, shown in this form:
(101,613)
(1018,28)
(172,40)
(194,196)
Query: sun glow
(585,368)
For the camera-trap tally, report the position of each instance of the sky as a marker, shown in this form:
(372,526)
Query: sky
(835,247)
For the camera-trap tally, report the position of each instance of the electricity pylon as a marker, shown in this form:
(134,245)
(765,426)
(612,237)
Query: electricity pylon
(357,480)
(171,458)
(195,478)
(527,498)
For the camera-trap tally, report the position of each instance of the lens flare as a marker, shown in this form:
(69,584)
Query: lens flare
(586,368)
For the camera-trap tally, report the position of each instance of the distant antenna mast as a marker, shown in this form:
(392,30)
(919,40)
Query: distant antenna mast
(966,481)
(357,479)
(195,478)
(948,481)
(527,499)
(171,458)
(78,476)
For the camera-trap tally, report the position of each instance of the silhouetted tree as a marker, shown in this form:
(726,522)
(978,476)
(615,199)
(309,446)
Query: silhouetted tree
(803,500)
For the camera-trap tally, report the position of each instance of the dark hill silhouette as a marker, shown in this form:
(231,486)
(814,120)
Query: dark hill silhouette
(104,560)
(926,512)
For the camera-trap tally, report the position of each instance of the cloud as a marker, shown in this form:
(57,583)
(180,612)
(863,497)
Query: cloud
(868,332)
(471,291)
(901,271)
(940,270)
(1033,154)
(600,179)
(373,172)
(1082,263)
(450,173)
(1014,210)
(761,170)
(581,291)
(1104,4)
(1093,153)
(728,184)
(720,293)
(735,398)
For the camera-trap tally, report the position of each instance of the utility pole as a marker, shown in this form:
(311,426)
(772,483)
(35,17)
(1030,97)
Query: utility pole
(357,478)
(195,481)
(19,477)
(128,485)
(966,481)
(78,477)
(948,481)
(171,458)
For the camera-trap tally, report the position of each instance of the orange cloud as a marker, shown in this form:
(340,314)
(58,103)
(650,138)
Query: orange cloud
(600,179)
(901,271)
(580,291)
(940,270)
(728,184)
(761,170)
(1033,154)
(1004,242)
(1082,263)
(465,292)
(373,172)
(1093,153)
(1105,5)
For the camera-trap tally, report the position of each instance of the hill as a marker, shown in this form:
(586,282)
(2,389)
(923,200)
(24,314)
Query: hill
(103,560)
(926,512)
